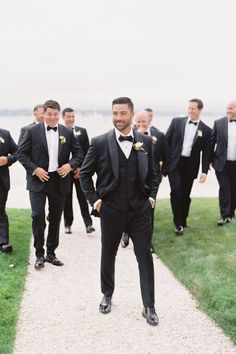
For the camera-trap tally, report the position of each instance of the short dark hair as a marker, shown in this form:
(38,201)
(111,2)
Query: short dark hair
(198,101)
(124,100)
(67,110)
(38,106)
(148,110)
(51,104)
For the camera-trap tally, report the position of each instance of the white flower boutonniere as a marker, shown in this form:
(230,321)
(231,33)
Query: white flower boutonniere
(2,141)
(199,133)
(154,139)
(138,146)
(78,133)
(62,139)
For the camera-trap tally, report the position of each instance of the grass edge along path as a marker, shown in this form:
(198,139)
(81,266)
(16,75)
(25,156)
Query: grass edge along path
(203,259)
(13,270)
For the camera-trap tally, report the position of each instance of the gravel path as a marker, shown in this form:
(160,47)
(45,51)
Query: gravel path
(59,310)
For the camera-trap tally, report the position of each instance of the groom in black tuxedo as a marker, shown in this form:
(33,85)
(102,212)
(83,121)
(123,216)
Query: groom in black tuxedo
(224,162)
(188,139)
(45,153)
(125,192)
(8,150)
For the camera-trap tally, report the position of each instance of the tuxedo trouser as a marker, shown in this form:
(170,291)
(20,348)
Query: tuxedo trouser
(4,224)
(181,183)
(227,190)
(68,208)
(137,222)
(56,202)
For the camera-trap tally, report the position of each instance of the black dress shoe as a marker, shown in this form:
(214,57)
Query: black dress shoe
(51,258)
(7,248)
(224,221)
(124,240)
(105,305)
(68,230)
(39,263)
(179,230)
(90,229)
(151,317)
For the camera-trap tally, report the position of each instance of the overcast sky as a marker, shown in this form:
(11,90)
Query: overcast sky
(161,53)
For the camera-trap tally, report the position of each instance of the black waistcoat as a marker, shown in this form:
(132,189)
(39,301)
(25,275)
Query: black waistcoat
(127,193)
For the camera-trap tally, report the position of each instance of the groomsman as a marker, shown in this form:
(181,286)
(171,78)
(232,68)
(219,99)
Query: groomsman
(8,150)
(45,153)
(38,118)
(125,192)
(224,162)
(81,135)
(188,138)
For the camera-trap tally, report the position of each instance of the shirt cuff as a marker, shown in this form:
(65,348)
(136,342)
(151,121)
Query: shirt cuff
(152,201)
(96,203)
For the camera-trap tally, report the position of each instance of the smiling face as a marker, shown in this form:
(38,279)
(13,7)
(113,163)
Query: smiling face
(142,121)
(122,117)
(51,116)
(231,110)
(193,111)
(69,119)
(39,114)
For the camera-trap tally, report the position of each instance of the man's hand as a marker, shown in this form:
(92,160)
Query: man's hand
(202,178)
(64,170)
(41,174)
(3,160)
(77,173)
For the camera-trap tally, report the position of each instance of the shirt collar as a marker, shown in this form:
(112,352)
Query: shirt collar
(118,133)
(195,121)
(46,125)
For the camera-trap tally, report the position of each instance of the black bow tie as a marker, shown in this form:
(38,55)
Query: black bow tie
(232,120)
(126,138)
(191,122)
(146,133)
(53,128)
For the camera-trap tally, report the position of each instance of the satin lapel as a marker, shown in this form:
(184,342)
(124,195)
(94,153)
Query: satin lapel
(183,128)
(60,133)
(225,130)
(142,158)
(196,134)
(113,150)
(43,134)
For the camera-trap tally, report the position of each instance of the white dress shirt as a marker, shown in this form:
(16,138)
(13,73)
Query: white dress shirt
(126,146)
(52,142)
(231,148)
(189,134)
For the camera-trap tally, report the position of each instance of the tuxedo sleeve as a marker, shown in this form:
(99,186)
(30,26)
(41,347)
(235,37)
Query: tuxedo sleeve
(24,153)
(12,157)
(165,155)
(206,152)
(154,173)
(169,133)
(213,141)
(22,133)
(77,154)
(86,173)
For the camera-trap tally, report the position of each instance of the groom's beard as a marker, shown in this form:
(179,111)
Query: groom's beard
(121,126)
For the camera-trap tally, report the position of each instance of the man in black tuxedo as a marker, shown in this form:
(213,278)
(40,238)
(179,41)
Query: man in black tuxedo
(8,150)
(224,162)
(81,135)
(161,153)
(45,153)
(125,191)
(188,138)
(38,118)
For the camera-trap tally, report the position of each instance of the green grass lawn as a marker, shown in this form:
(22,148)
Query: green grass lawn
(12,279)
(203,259)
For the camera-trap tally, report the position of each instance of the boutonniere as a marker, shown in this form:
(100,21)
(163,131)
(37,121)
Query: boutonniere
(78,133)
(2,141)
(62,139)
(199,133)
(138,146)
(154,139)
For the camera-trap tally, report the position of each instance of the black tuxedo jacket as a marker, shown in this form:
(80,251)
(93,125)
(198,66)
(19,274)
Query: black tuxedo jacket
(33,153)
(102,158)
(8,148)
(82,137)
(219,143)
(161,150)
(201,144)
(22,132)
